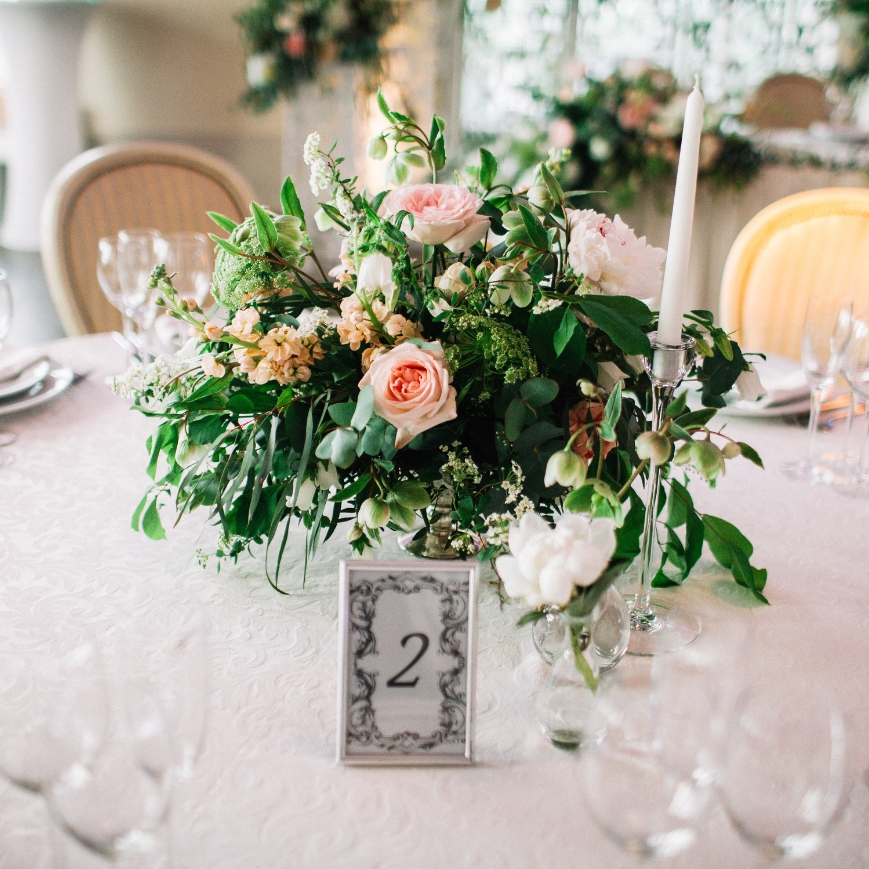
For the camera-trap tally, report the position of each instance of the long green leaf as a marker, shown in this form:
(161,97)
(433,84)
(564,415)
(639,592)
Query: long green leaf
(625,334)
(227,246)
(222,221)
(613,409)
(265,468)
(266,231)
(290,201)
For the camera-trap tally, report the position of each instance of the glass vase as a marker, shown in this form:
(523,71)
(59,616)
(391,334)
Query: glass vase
(564,703)
(610,631)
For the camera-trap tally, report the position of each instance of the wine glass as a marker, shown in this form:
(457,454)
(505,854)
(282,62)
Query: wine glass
(54,710)
(139,251)
(117,806)
(647,775)
(110,283)
(855,367)
(826,331)
(6,437)
(785,780)
(187,257)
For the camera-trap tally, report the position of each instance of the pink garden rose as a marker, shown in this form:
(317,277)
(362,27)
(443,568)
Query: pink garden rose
(443,214)
(608,254)
(411,389)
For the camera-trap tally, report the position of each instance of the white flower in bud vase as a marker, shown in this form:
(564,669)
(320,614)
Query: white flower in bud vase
(545,564)
(566,469)
(749,385)
(609,255)
(443,214)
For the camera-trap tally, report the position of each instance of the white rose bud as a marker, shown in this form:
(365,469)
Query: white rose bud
(374,513)
(565,468)
(653,446)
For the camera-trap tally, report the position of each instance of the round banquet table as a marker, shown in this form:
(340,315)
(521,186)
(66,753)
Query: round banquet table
(268,792)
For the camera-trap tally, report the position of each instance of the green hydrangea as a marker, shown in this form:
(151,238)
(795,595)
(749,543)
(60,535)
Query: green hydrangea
(237,278)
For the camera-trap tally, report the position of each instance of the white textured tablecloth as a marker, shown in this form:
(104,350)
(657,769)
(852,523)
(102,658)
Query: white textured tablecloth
(268,793)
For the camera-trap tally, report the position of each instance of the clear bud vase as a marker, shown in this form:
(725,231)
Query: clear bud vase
(610,633)
(564,702)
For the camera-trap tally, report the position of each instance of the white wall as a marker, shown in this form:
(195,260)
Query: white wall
(174,69)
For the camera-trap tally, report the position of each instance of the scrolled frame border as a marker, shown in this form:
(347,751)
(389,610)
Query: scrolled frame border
(357,605)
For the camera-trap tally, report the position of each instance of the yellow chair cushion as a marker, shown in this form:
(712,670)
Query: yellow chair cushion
(811,244)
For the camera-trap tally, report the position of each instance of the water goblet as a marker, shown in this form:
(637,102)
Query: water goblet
(139,251)
(855,367)
(785,781)
(646,786)
(110,283)
(116,807)
(6,437)
(187,257)
(826,331)
(54,710)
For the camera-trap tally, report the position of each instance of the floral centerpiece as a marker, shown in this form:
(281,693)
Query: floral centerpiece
(475,345)
(286,40)
(623,132)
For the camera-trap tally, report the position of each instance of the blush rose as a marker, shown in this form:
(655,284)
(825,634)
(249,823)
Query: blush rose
(443,214)
(411,389)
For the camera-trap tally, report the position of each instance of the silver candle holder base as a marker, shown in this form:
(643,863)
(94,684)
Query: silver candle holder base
(656,628)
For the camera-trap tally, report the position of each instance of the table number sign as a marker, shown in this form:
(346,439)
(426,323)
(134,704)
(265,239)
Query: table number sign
(407,662)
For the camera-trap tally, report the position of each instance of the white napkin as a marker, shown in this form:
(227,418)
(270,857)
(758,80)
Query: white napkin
(783,379)
(13,362)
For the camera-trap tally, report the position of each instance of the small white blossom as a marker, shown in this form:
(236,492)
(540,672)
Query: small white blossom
(321,173)
(545,305)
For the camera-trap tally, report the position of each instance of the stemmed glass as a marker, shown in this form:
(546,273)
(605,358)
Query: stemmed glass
(110,283)
(6,437)
(117,806)
(139,251)
(855,367)
(54,710)
(648,774)
(187,257)
(785,778)
(826,331)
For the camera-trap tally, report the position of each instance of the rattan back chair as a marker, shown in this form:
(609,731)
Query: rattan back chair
(166,186)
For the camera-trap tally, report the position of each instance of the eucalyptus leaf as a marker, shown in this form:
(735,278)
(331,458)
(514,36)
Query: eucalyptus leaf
(514,419)
(538,391)
(151,524)
(364,408)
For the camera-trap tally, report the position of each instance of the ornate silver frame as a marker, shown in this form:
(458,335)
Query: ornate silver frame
(361,584)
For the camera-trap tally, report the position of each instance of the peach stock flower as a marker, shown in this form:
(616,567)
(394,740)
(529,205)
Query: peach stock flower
(577,417)
(443,214)
(411,389)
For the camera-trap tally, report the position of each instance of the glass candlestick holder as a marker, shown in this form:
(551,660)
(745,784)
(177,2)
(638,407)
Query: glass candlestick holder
(655,627)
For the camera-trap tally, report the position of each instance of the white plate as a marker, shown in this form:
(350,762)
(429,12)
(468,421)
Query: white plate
(58,379)
(778,375)
(26,378)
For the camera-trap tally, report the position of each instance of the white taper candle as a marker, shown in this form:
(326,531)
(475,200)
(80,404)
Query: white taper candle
(679,246)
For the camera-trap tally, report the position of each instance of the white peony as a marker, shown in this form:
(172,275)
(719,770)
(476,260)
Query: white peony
(749,385)
(545,563)
(610,256)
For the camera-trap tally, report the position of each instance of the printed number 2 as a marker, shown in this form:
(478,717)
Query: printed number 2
(396,681)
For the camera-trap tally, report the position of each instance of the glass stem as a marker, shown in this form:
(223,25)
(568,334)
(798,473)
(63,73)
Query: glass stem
(814,417)
(642,614)
(130,335)
(848,453)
